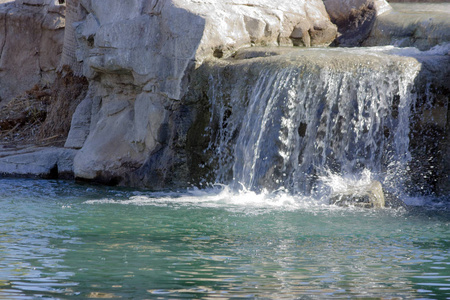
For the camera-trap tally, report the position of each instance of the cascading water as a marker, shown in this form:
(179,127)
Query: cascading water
(283,122)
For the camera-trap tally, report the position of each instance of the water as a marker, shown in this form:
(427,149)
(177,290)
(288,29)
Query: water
(284,121)
(60,240)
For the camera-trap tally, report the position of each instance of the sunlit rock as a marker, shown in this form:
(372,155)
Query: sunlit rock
(422,26)
(139,57)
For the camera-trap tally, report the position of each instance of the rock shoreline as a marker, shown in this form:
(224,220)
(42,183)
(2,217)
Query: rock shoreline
(37,162)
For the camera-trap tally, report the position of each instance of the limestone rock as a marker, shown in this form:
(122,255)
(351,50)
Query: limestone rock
(354,18)
(74,13)
(80,125)
(341,10)
(139,56)
(37,162)
(406,26)
(127,131)
(31,38)
(121,37)
(367,196)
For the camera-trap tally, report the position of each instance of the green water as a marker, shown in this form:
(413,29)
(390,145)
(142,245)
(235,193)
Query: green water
(59,240)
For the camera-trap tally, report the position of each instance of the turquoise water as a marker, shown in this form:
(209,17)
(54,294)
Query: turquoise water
(59,240)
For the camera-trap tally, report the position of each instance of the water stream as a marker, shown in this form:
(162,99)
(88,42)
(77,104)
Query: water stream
(287,120)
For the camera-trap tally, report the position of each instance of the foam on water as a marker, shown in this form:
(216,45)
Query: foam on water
(222,196)
(226,197)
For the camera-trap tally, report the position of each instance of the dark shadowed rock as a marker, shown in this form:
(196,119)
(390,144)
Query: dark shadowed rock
(354,18)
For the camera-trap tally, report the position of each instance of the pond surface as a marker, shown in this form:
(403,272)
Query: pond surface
(60,240)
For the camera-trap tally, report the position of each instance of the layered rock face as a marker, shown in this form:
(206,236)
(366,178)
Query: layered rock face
(30,44)
(138,56)
(48,162)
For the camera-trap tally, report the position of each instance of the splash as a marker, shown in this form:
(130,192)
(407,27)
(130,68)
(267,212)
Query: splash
(337,183)
(221,196)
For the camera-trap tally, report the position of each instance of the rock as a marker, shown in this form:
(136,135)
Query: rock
(139,55)
(126,133)
(407,26)
(79,128)
(366,196)
(31,36)
(37,162)
(393,201)
(354,18)
(74,14)
(340,10)
(300,35)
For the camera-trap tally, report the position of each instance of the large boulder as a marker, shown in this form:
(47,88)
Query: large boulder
(138,56)
(355,18)
(340,11)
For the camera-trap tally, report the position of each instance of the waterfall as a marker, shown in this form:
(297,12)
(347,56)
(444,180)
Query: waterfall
(282,122)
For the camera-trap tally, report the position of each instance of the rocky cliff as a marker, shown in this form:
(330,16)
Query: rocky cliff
(139,65)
